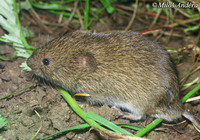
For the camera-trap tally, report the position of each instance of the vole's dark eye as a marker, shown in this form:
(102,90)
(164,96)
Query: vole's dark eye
(46,61)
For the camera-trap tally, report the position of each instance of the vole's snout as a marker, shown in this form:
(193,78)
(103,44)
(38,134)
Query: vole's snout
(29,62)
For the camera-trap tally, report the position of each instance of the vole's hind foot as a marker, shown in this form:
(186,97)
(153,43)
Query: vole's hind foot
(82,104)
(78,96)
(131,116)
(127,115)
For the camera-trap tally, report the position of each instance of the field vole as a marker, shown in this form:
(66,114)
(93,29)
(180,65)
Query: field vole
(123,69)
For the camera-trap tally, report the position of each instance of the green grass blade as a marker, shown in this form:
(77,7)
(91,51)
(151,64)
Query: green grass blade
(107,5)
(68,129)
(86,14)
(134,127)
(48,6)
(16,92)
(23,39)
(148,127)
(2,121)
(107,123)
(78,110)
(65,14)
(178,22)
(189,94)
(172,51)
(16,43)
(192,28)
(4,59)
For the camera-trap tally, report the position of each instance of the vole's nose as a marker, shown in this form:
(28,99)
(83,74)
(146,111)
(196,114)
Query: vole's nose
(30,62)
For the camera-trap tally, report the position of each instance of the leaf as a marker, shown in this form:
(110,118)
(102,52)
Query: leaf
(25,67)
(2,121)
(107,5)
(9,22)
(68,129)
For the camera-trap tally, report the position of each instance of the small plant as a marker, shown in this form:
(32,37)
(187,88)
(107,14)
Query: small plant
(2,121)
(10,22)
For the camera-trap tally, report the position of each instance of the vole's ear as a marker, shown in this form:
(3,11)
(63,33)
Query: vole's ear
(87,62)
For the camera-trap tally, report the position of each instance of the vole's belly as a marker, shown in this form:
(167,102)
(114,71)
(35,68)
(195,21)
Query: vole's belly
(137,112)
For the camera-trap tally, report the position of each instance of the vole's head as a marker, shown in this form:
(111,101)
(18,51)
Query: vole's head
(62,60)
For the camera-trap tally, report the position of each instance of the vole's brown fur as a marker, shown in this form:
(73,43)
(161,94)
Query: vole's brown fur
(122,69)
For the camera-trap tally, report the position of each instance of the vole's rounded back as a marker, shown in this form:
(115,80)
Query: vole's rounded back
(122,69)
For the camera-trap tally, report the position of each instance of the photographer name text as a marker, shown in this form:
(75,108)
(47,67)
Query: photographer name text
(174,5)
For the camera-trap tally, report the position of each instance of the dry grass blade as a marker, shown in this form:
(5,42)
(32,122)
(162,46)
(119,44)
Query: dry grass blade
(117,136)
(66,23)
(193,99)
(40,125)
(156,18)
(133,16)
(80,19)
(184,22)
(38,20)
(82,94)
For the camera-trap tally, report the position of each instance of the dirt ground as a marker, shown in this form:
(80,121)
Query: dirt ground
(55,114)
